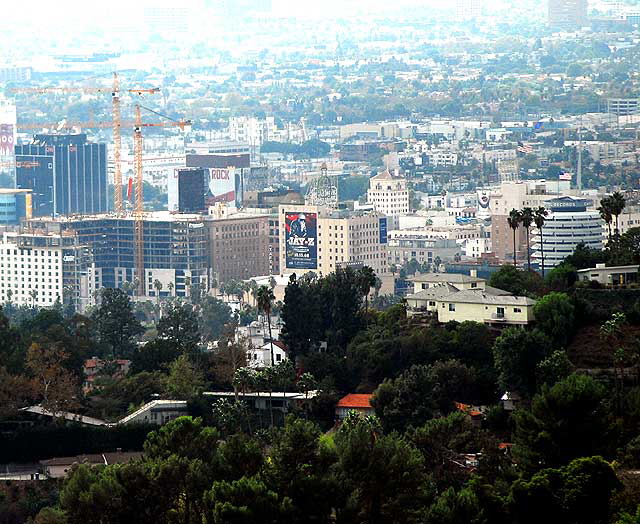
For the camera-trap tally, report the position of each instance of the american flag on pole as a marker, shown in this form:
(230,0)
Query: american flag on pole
(564,176)
(524,148)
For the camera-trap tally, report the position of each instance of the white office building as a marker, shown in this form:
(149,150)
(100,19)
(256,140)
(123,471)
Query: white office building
(389,195)
(568,224)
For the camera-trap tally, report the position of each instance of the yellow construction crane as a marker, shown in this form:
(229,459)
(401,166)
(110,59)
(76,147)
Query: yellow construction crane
(115,124)
(28,165)
(138,210)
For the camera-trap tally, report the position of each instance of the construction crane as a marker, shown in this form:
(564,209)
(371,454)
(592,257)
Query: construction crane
(116,124)
(138,210)
(27,165)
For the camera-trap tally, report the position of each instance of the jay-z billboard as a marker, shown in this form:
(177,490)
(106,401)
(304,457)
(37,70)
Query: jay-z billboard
(302,240)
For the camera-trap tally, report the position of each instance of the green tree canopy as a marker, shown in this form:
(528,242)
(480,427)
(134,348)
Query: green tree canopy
(516,281)
(116,324)
(566,421)
(554,314)
(516,353)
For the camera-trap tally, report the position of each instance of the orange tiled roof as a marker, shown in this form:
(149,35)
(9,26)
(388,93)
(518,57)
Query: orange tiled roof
(356,400)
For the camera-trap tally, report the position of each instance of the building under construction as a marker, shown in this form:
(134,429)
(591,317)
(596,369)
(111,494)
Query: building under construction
(174,247)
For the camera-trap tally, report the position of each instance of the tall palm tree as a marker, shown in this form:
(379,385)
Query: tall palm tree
(34,295)
(367,280)
(514,223)
(605,213)
(265,298)
(158,287)
(618,203)
(539,216)
(187,286)
(526,218)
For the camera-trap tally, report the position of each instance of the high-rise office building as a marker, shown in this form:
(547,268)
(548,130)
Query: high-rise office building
(389,195)
(568,224)
(187,190)
(175,249)
(70,178)
(567,14)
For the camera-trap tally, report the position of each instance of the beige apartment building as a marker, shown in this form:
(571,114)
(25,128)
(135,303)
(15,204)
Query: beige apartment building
(332,239)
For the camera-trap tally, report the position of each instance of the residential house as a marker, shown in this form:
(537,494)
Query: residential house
(260,400)
(608,276)
(260,357)
(429,280)
(354,402)
(157,412)
(94,367)
(58,467)
(486,305)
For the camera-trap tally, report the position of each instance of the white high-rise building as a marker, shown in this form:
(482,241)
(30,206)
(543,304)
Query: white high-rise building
(567,225)
(389,195)
(39,269)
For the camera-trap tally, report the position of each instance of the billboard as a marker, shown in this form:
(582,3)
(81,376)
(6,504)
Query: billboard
(301,240)
(6,139)
(383,230)
(224,184)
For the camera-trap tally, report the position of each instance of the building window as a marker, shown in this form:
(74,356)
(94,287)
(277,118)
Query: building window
(517,310)
(452,307)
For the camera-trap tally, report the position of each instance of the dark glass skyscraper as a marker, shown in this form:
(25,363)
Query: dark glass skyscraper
(71,177)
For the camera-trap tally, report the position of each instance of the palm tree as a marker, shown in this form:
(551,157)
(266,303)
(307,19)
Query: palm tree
(171,285)
(243,379)
(34,295)
(539,218)
(367,280)
(526,218)
(158,287)
(9,295)
(514,223)
(187,286)
(617,202)
(265,298)
(605,213)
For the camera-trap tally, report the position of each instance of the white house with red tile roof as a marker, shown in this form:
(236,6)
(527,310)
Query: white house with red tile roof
(357,402)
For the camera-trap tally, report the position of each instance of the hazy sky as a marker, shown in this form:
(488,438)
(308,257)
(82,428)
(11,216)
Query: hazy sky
(114,10)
